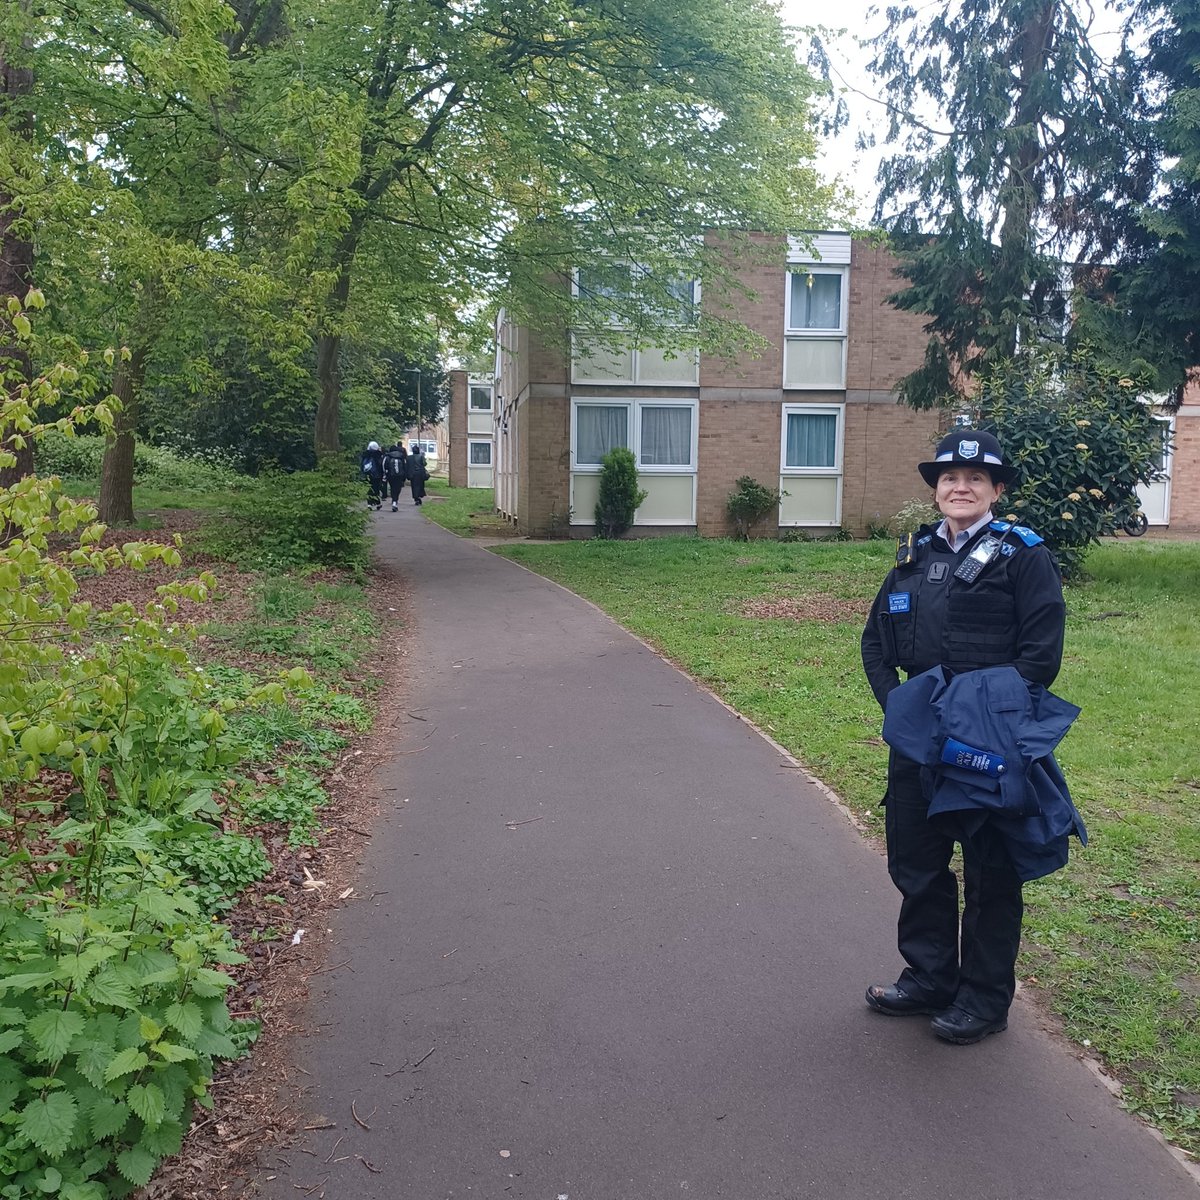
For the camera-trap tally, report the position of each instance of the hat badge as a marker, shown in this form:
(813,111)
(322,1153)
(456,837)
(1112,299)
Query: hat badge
(968,449)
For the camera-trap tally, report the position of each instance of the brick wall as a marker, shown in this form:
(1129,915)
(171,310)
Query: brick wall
(885,344)
(737,437)
(456,420)
(1185,471)
(545,460)
(763,268)
(883,444)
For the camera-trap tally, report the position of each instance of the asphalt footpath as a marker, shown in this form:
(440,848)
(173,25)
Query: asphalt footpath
(616,950)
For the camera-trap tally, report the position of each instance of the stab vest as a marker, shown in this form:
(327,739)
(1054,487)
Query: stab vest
(931,617)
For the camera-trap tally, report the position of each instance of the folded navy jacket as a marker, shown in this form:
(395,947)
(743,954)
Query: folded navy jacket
(986,740)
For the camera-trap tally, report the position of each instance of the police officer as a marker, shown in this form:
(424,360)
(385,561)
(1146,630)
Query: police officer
(968,593)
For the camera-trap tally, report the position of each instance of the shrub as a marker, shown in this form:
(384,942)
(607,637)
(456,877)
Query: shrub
(620,495)
(911,516)
(297,519)
(79,457)
(1083,441)
(749,502)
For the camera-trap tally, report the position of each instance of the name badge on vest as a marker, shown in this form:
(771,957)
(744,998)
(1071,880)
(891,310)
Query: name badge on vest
(899,602)
(937,572)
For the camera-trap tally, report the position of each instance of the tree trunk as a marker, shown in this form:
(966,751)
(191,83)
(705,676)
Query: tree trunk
(16,252)
(327,429)
(1021,195)
(115,504)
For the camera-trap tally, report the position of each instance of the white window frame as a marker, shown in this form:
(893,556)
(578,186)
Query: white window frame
(838,469)
(842,273)
(636,273)
(491,391)
(480,442)
(633,406)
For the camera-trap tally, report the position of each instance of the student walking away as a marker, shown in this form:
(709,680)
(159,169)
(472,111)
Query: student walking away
(395,469)
(418,475)
(372,469)
(973,614)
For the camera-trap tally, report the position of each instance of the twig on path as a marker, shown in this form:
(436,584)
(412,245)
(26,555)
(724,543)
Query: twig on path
(335,1146)
(415,717)
(344,963)
(360,832)
(370,1166)
(423,1057)
(514,824)
(326,1125)
(449,952)
(358,1119)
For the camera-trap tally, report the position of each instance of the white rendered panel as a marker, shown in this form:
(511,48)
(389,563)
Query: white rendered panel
(814,363)
(670,500)
(810,500)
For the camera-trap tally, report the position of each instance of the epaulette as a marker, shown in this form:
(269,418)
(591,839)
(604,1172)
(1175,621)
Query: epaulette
(1022,531)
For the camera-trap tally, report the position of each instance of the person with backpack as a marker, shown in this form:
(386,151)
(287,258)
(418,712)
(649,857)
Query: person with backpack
(395,470)
(372,470)
(417,473)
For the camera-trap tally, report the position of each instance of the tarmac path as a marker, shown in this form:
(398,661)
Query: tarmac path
(618,952)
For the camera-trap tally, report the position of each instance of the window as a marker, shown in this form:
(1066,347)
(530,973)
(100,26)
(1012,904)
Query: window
(810,439)
(666,439)
(816,300)
(479,398)
(815,345)
(662,434)
(599,428)
(479,454)
(618,296)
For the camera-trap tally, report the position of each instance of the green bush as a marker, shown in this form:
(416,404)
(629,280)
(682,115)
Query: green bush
(289,520)
(911,516)
(749,502)
(619,496)
(153,466)
(1083,441)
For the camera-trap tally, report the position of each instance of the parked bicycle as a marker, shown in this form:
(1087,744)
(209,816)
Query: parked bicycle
(1135,524)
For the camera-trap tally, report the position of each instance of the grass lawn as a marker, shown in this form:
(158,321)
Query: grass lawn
(1113,941)
(467,511)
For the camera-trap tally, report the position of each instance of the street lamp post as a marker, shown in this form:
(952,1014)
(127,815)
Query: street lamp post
(417,372)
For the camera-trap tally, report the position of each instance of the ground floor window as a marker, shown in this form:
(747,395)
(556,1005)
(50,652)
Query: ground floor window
(479,454)
(810,468)
(662,434)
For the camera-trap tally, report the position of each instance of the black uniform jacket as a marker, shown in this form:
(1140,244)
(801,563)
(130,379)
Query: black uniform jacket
(1012,614)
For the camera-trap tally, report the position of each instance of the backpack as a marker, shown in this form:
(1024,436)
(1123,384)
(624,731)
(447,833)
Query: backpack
(393,466)
(368,463)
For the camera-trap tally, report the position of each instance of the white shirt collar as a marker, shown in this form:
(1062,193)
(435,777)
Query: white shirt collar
(957,543)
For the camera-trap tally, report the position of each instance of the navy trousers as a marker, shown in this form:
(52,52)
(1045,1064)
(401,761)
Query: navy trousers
(972,964)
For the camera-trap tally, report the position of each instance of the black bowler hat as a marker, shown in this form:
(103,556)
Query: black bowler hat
(968,448)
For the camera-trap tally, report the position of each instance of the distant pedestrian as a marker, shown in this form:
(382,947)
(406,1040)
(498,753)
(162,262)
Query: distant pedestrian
(395,470)
(418,473)
(372,469)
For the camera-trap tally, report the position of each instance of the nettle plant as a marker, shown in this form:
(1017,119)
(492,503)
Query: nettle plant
(113,757)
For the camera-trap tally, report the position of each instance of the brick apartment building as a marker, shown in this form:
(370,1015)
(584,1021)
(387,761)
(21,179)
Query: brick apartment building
(815,414)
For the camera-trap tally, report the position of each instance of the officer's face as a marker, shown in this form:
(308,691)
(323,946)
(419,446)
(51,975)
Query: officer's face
(965,494)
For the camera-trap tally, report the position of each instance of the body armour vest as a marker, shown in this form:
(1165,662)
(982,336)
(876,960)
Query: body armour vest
(932,617)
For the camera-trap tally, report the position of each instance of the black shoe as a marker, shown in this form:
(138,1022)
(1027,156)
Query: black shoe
(896,1002)
(963,1028)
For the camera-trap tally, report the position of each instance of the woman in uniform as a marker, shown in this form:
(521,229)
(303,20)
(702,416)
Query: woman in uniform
(965,594)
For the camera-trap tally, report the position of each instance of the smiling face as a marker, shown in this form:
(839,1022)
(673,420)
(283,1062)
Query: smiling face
(965,494)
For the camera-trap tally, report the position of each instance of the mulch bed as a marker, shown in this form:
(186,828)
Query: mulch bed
(257,1099)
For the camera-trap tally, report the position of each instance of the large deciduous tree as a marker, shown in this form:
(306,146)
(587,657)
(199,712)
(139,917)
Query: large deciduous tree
(1017,160)
(445,150)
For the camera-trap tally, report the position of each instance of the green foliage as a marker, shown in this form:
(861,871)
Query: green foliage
(911,515)
(1083,442)
(115,751)
(749,502)
(307,517)
(985,220)
(619,496)
(293,801)
(153,466)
